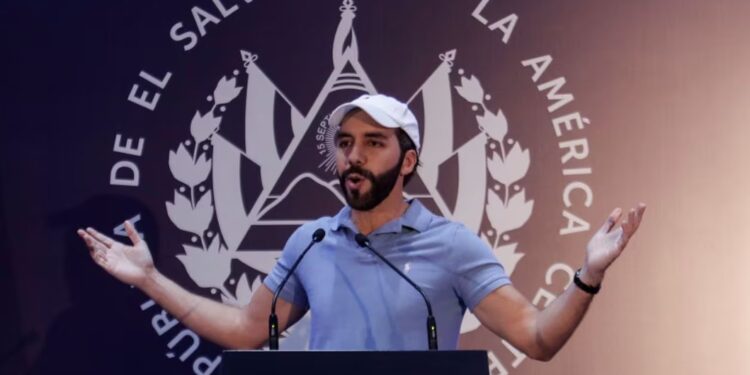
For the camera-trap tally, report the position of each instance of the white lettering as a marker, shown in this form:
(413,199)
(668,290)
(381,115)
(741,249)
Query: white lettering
(202,19)
(160,83)
(560,99)
(477,13)
(162,323)
(574,224)
(205,366)
(567,121)
(120,229)
(128,147)
(576,171)
(187,353)
(539,64)
(126,172)
(223,10)
(546,295)
(496,367)
(142,99)
(577,148)
(506,26)
(518,355)
(559,267)
(118,180)
(543,294)
(577,185)
(146,305)
(191,36)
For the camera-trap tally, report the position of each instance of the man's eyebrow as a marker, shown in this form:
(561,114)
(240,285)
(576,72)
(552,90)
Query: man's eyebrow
(379,135)
(341,134)
(375,134)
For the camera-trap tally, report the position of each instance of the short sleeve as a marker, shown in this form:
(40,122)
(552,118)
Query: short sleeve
(478,272)
(293,291)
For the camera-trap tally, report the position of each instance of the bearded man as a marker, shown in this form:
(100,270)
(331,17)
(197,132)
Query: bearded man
(356,301)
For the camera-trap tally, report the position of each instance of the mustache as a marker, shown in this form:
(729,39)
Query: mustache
(358,170)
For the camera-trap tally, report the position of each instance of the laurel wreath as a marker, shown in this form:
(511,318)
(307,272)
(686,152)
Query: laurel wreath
(506,208)
(206,259)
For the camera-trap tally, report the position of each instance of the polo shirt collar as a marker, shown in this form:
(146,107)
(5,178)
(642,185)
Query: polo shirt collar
(416,217)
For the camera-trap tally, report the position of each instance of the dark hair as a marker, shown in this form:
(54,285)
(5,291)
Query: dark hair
(406,144)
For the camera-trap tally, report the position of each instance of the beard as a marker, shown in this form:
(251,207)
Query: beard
(381,187)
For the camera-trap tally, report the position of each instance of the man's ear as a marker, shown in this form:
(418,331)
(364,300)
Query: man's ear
(410,162)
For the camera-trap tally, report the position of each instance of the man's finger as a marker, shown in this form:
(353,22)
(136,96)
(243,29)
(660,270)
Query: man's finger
(82,233)
(628,225)
(108,242)
(611,220)
(622,239)
(132,233)
(99,257)
(639,213)
(634,219)
(90,241)
(638,216)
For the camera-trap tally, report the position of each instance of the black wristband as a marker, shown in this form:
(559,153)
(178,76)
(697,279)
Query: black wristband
(583,286)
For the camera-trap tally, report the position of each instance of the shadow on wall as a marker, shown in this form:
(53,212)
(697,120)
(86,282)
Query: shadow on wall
(101,332)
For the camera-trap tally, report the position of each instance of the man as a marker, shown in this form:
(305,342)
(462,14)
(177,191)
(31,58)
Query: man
(356,301)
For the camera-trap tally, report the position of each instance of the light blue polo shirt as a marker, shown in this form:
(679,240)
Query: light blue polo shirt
(359,303)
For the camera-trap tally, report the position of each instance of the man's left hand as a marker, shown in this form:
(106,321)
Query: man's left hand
(608,242)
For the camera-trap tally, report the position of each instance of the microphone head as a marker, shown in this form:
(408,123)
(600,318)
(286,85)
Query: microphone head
(362,240)
(318,235)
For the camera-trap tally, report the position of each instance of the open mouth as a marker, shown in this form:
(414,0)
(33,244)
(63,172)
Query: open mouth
(354,181)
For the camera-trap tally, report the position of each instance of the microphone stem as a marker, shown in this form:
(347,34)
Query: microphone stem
(431,324)
(273,321)
(286,278)
(408,280)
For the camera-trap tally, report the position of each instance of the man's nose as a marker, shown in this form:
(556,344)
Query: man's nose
(356,155)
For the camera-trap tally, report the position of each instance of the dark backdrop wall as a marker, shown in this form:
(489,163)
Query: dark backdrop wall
(204,123)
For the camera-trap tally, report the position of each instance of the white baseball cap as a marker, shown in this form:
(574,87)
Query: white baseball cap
(384,109)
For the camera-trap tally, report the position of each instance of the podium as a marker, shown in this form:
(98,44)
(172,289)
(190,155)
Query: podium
(247,362)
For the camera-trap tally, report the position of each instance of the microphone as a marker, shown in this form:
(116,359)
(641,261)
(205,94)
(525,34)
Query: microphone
(363,241)
(273,322)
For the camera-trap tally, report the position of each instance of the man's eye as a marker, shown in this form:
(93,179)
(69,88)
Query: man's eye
(343,144)
(375,143)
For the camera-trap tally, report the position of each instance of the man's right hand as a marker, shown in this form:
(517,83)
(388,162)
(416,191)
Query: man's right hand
(229,326)
(130,264)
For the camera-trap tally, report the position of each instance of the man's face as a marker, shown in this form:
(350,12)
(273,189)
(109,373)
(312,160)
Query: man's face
(368,160)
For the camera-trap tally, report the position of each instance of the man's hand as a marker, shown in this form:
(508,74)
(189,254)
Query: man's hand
(541,334)
(608,242)
(229,326)
(129,264)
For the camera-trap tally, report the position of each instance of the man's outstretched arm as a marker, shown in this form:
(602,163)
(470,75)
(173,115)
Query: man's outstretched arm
(541,334)
(229,326)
